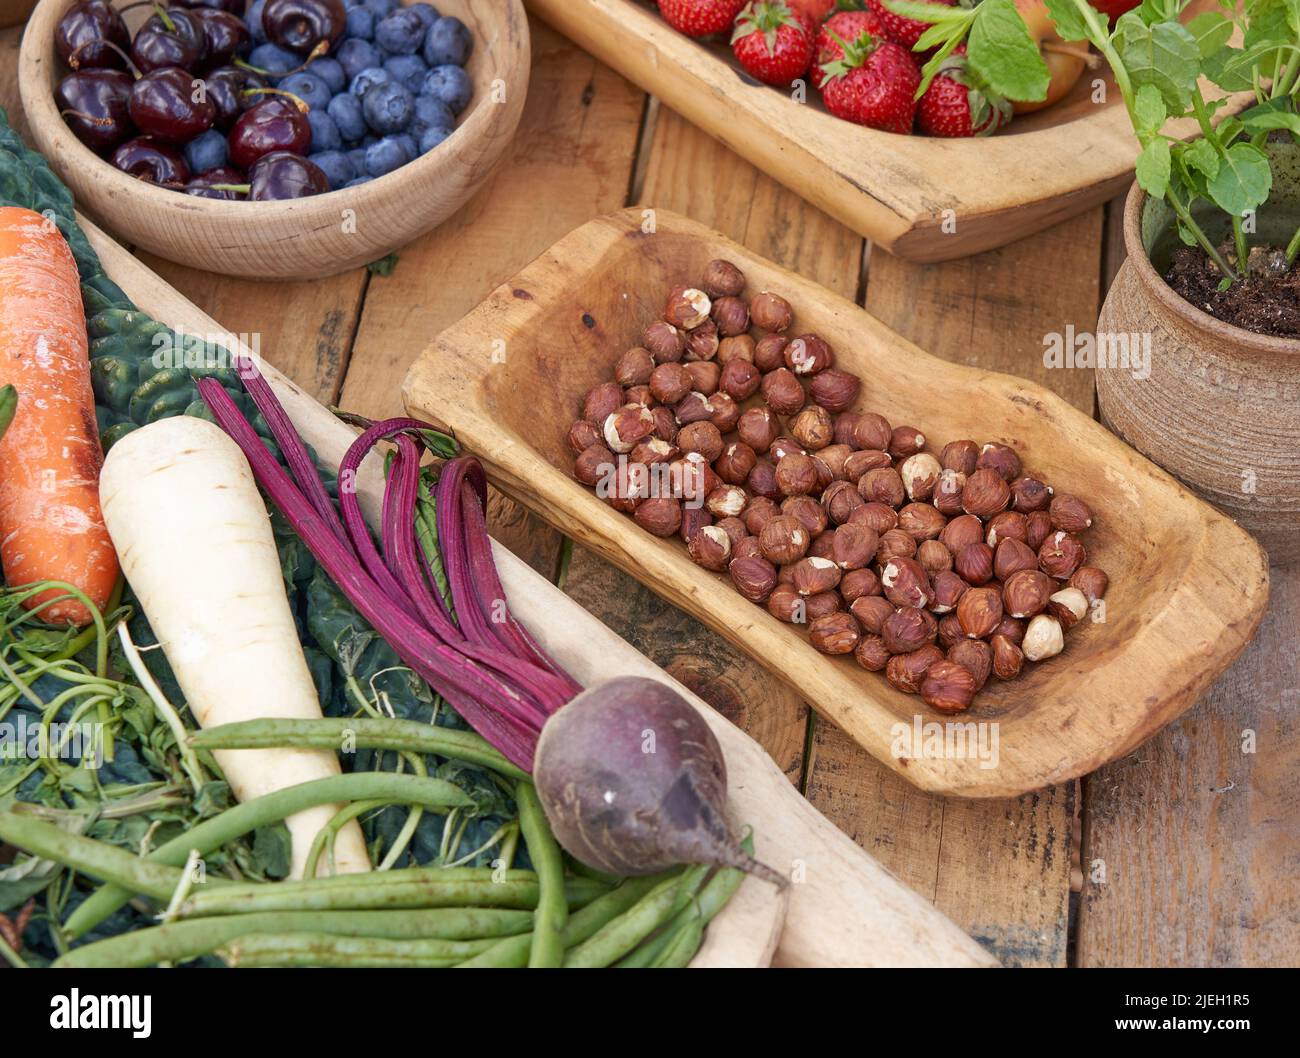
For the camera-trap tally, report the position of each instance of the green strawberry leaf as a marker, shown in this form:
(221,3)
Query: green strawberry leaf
(1211,31)
(1243,180)
(1149,111)
(1202,156)
(1069,22)
(1274,114)
(1002,54)
(1230,68)
(1153,11)
(930,14)
(1153,168)
(1164,55)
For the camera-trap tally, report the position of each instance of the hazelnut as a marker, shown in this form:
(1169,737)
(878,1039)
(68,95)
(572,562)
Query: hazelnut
(824,475)
(822,546)
(735,463)
(754,577)
(985,494)
(1030,494)
(602,401)
(758,512)
(582,435)
(835,390)
(895,543)
(961,532)
(950,633)
(1011,557)
(796,475)
(652,452)
(661,516)
(1043,638)
(782,391)
(812,427)
(864,460)
(784,540)
(784,446)
(835,456)
(907,671)
(730,316)
(921,522)
(1026,593)
(710,548)
(762,481)
(627,427)
(786,604)
(814,575)
(859,583)
(1069,606)
(701,437)
(758,428)
(593,463)
(845,424)
(693,520)
(748,548)
(873,431)
(687,307)
(664,341)
(976,657)
(979,611)
(1011,627)
(807,510)
(669,383)
(948,687)
(960,456)
(726,501)
(1038,527)
(1091,581)
(1001,459)
(1008,658)
(694,407)
(871,654)
(934,557)
(705,376)
(853,546)
(740,379)
(882,485)
(665,424)
(920,474)
(723,279)
(878,516)
(872,611)
(821,604)
(808,354)
(739,347)
(634,367)
(624,486)
(974,564)
(947,492)
(908,629)
(1060,555)
(702,342)
(948,590)
(692,478)
(769,352)
(726,412)
(905,441)
(640,395)
(770,312)
(734,527)
(840,500)
(1008,525)
(1071,514)
(906,583)
(836,633)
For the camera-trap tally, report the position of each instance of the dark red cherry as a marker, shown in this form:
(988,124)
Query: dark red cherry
(170,38)
(300,25)
(152,161)
(231,90)
(202,185)
(275,125)
(167,104)
(281,174)
(80,35)
(94,103)
(224,35)
(234,7)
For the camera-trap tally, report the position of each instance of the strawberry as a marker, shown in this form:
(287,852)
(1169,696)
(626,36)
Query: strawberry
(817,10)
(772,43)
(905,31)
(1112,9)
(847,25)
(954,106)
(700,18)
(873,84)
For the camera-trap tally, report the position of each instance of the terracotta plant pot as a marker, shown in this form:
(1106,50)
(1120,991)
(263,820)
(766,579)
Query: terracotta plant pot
(1221,407)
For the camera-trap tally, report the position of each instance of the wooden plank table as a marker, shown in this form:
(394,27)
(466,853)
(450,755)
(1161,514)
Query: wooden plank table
(1184,853)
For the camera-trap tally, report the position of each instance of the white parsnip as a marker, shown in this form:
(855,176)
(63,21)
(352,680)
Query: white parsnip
(195,543)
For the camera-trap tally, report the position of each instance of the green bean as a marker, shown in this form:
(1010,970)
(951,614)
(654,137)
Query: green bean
(614,940)
(712,899)
(326,833)
(362,733)
(547,949)
(683,941)
(179,941)
(235,822)
(323,950)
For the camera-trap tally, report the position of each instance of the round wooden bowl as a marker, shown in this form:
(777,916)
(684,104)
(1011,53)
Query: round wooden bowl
(308,237)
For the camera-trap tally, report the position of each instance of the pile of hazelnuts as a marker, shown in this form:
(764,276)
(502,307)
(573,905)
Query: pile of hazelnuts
(939,570)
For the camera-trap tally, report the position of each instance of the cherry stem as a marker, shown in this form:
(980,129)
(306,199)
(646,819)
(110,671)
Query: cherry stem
(72,59)
(298,101)
(166,18)
(98,122)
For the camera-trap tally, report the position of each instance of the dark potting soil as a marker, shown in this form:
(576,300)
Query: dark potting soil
(1267,301)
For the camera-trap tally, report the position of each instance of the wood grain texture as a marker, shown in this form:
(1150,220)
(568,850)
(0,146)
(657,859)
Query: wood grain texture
(308,237)
(1192,844)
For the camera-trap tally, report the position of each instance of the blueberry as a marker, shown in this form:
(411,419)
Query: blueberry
(357,156)
(407,70)
(345,109)
(357,55)
(361,24)
(430,138)
(254,21)
(325,135)
(385,156)
(447,43)
(431,113)
(329,70)
(208,150)
(367,79)
(388,107)
(277,61)
(450,85)
(369,140)
(336,166)
(409,145)
(400,33)
(358,181)
(427,12)
(380,8)
(311,89)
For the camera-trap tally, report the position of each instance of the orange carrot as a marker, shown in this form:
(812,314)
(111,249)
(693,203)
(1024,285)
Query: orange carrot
(51,527)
